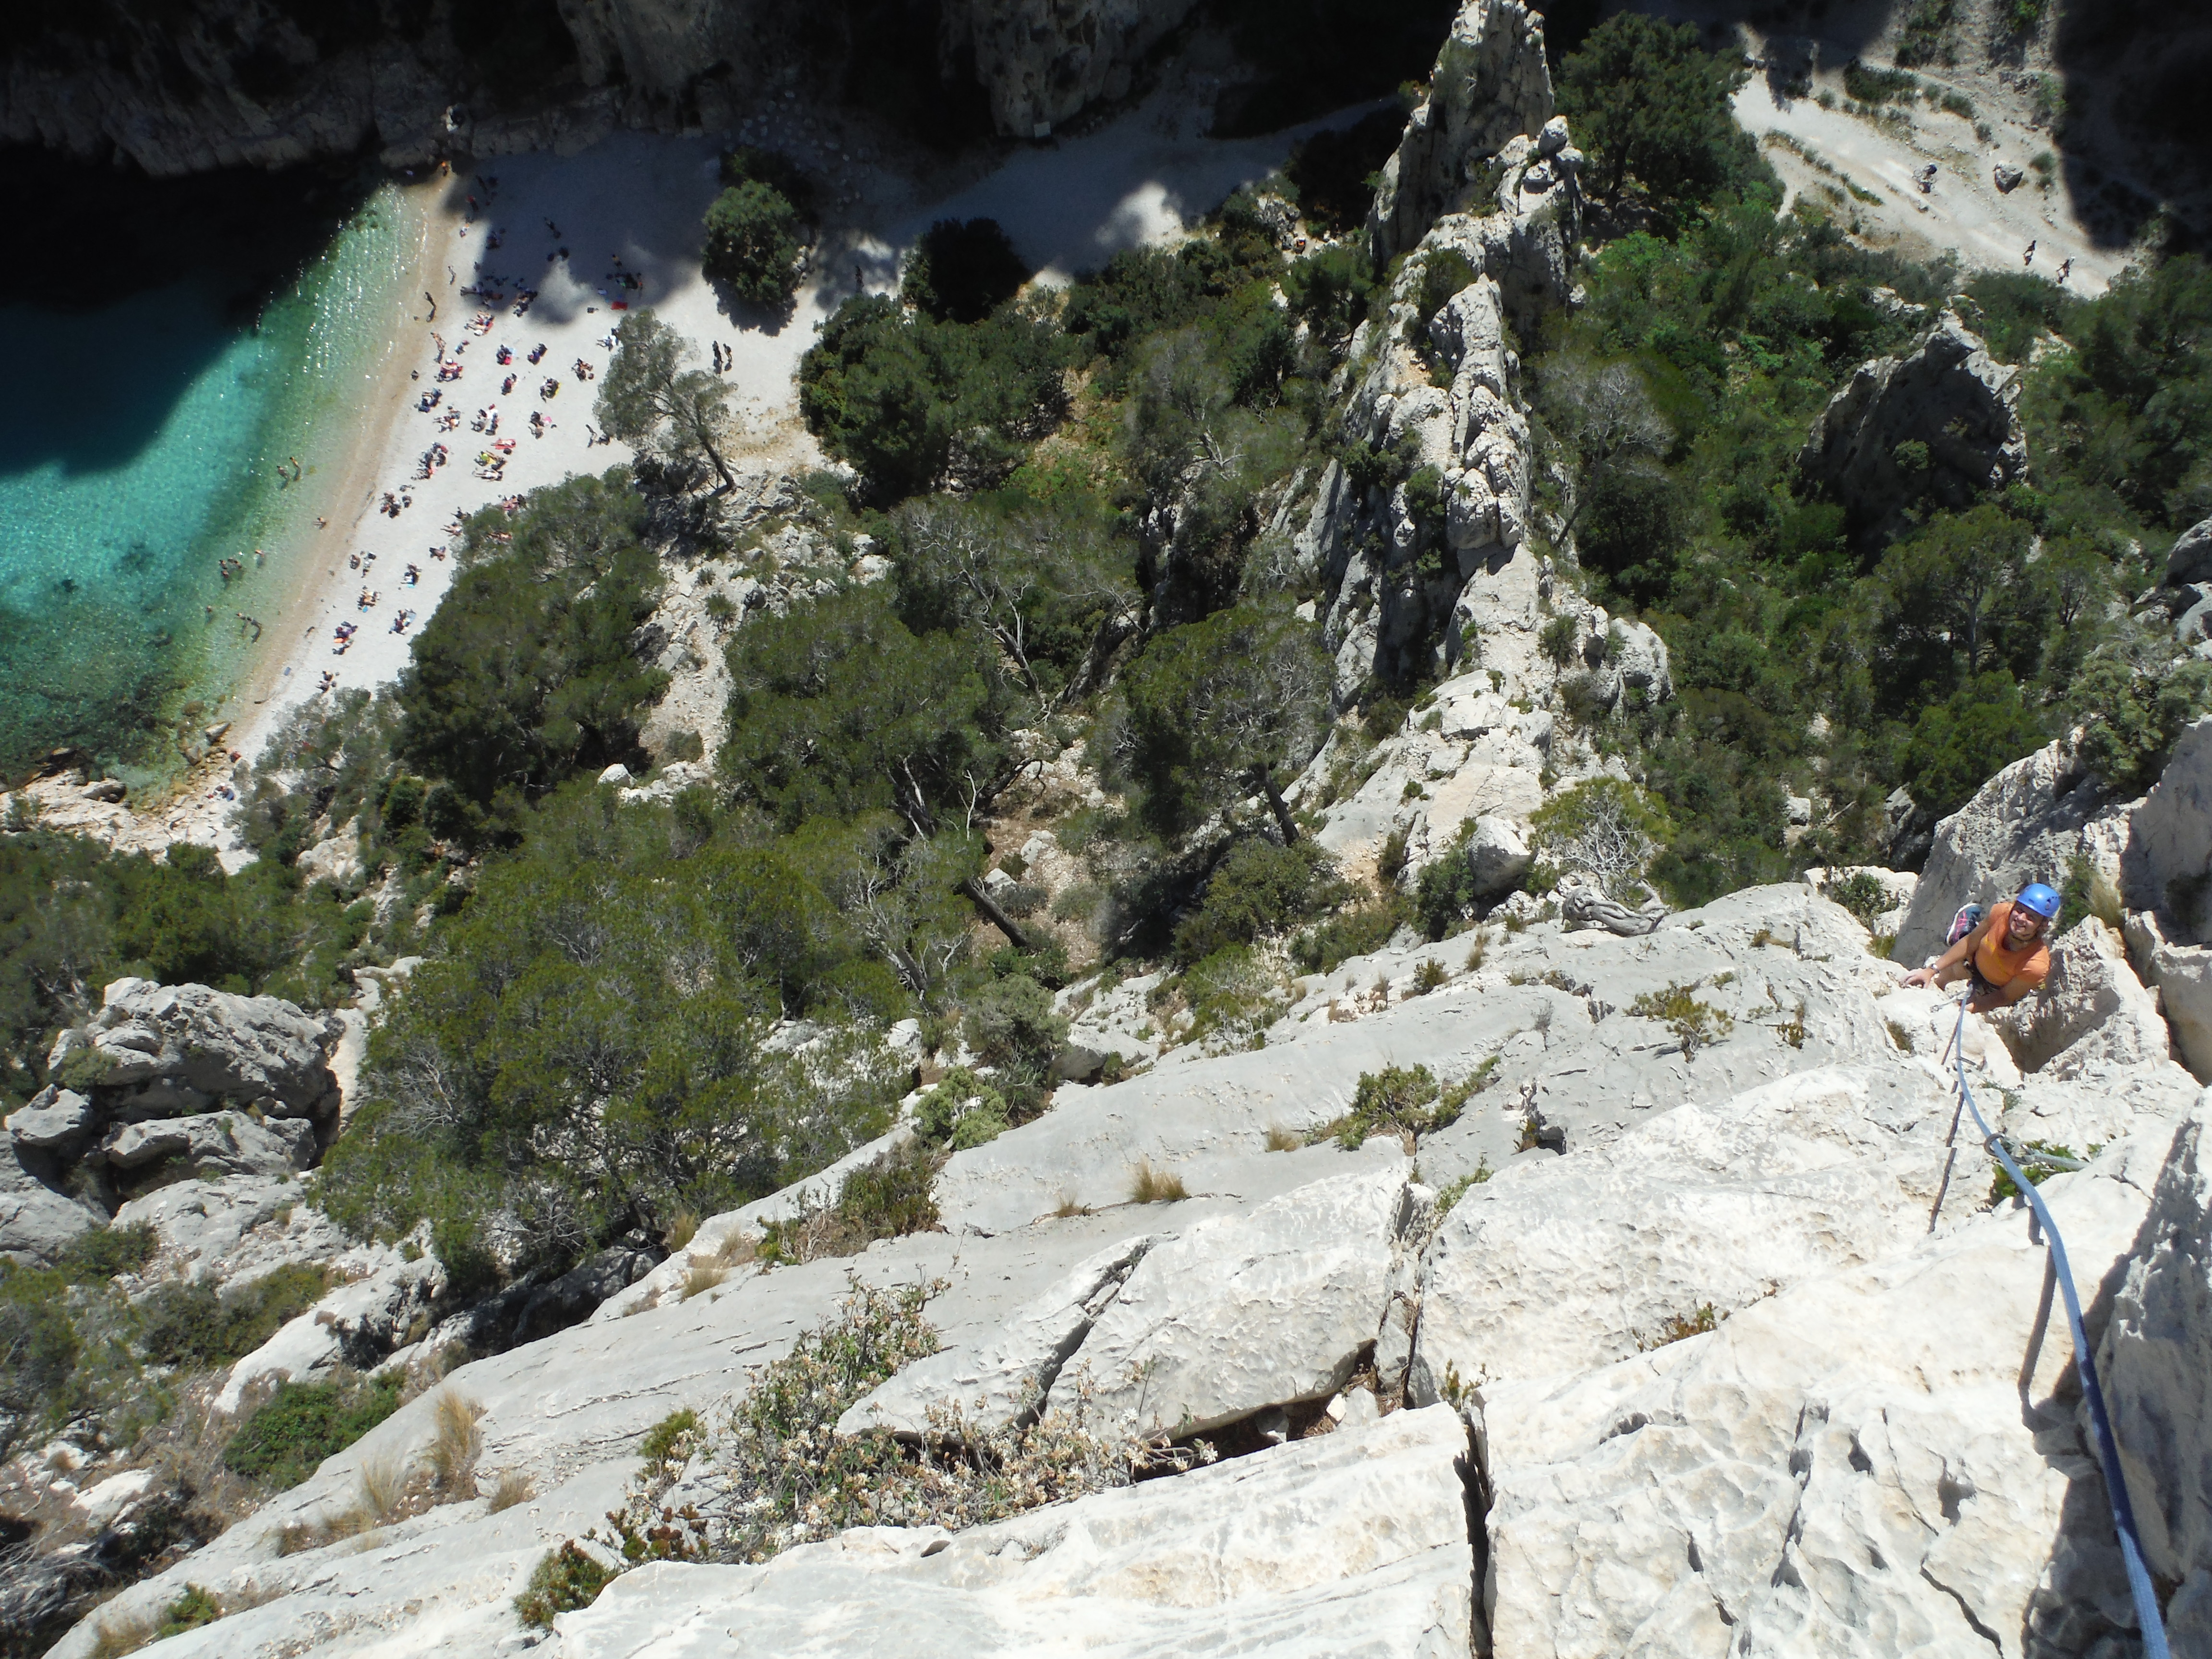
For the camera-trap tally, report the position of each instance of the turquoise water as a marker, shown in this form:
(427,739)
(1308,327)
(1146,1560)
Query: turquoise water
(142,444)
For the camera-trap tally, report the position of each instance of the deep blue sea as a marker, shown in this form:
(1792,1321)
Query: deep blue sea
(140,445)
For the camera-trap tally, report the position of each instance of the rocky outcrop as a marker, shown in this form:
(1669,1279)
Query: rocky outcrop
(1883,1458)
(1940,425)
(2025,824)
(1044,61)
(2093,1011)
(2153,1363)
(2167,864)
(190,88)
(166,1077)
(2189,560)
(1490,86)
(1233,1316)
(155,1050)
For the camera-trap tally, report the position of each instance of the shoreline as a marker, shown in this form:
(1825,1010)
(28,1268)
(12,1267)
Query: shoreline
(190,805)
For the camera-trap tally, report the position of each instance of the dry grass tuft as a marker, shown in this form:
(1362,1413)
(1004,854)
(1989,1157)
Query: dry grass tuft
(1069,1207)
(1281,1139)
(513,1487)
(120,1633)
(682,1226)
(1150,1186)
(703,1277)
(459,1442)
(383,1486)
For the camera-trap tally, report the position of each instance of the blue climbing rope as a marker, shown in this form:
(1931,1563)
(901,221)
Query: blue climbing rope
(2108,1451)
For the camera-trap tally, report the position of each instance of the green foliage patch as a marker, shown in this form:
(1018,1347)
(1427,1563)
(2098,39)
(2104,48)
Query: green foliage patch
(287,1439)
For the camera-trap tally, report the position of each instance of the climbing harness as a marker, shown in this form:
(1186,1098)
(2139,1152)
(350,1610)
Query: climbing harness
(2108,1452)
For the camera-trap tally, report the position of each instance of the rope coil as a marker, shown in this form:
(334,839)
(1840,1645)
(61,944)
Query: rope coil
(2151,1624)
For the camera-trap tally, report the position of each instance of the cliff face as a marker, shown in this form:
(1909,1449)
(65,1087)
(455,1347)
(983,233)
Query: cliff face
(212,84)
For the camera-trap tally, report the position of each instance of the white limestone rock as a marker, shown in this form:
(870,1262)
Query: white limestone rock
(2025,824)
(1490,85)
(1237,1314)
(1497,855)
(55,1121)
(1566,1265)
(162,1049)
(356,1324)
(235,1229)
(2154,1365)
(36,1222)
(1003,1382)
(1880,1459)
(2091,1009)
(1352,1545)
(230,1143)
(2190,559)
(2170,836)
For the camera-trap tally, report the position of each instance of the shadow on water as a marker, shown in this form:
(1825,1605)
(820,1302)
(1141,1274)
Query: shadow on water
(122,289)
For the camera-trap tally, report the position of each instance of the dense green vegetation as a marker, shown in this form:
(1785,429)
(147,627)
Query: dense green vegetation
(287,1439)
(74,917)
(630,1016)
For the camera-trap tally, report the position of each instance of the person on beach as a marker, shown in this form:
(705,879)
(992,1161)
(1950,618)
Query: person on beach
(433,305)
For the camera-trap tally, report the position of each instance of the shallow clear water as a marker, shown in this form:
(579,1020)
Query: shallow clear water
(140,445)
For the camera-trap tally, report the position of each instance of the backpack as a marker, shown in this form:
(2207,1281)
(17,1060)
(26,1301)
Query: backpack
(1968,919)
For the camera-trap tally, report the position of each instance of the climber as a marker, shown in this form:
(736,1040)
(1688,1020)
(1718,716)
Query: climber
(2005,956)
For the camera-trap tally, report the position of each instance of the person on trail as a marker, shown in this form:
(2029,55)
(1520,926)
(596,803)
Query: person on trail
(2005,957)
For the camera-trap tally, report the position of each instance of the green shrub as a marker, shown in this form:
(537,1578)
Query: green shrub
(564,1580)
(1862,893)
(190,1324)
(1695,1024)
(1878,86)
(196,1607)
(662,1439)
(1259,891)
(888,1198)
(1648,103)
(1011,1024)
(2035,1160)
(1356,932)
(1401,1100)
(891,392)
(748,164)
(961,1110)
(287,1439)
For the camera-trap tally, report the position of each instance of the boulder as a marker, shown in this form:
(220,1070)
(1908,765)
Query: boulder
(36,1222)
(1949,395)
(1884,1458)
(1497,855)
(2189,558)
(1354,1545)
(1240,1313)
(2092,1011)
(59,1120)
(2168,856)
(2007,178)
(2025,824)
(153,1050)
(2153,1365)
(1003,1382)
(615,776)
(1569,1265)
(230,1143)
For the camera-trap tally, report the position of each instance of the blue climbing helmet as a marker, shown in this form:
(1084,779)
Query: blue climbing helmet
(2043,900)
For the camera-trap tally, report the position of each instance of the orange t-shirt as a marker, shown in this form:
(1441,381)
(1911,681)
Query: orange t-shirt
(2000,962)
